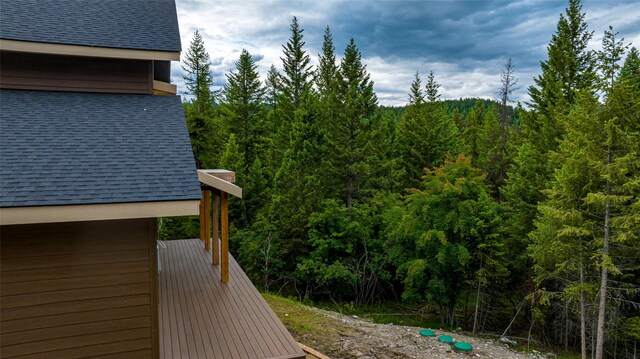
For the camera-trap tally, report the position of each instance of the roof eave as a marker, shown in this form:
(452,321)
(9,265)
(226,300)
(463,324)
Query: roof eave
(91,51)
(218,183)
(96,212)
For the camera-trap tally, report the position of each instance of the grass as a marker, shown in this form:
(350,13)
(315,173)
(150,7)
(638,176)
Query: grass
(312,328)
(388,313)
(307,325)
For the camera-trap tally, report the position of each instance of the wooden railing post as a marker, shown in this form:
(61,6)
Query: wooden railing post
(207,219)
(224,268)
(202,217)
(215,240)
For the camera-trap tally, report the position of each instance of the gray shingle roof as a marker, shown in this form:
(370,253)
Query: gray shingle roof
(129,24)
(62,148)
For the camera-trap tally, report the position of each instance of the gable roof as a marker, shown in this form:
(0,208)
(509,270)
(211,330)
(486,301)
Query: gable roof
(126,24)
(65,148)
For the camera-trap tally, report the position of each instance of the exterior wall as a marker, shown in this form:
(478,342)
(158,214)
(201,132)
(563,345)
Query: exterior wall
(24,71)
(78,289)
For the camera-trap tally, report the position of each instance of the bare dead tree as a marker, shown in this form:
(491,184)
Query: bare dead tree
(509,82)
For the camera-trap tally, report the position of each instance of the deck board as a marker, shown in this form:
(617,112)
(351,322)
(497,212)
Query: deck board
(201,317)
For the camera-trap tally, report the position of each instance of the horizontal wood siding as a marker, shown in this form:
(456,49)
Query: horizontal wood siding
(73,73)
(72,290)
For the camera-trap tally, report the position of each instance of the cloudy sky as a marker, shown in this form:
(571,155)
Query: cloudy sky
(465,43)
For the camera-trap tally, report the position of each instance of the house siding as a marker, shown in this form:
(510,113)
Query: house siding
(23,71)
(79,289)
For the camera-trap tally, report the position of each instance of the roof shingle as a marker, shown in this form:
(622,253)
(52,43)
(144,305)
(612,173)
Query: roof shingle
(127,24)
(63,148)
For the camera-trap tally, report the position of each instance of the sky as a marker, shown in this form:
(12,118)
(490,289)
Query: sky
(465,43)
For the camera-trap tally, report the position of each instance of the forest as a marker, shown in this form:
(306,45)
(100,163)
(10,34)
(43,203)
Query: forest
(487,215)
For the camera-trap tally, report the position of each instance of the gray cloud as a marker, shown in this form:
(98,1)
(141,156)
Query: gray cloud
(465,42)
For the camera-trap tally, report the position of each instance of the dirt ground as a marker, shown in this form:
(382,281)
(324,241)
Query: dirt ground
(368,340)
(345,337)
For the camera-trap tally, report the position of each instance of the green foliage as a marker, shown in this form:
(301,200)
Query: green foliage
(444,233)
(416,96)
(426,133)
(441,203)
(198,78)
(355,144)
(570,67)
(296,77)
(432,88)
(243,110)
(325,78)
(630,71)
(204,132)
(609,58)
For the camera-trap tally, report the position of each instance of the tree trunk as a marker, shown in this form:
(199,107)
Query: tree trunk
(349,190)
(475,316)
(566,329)
(602,305)
(583,315)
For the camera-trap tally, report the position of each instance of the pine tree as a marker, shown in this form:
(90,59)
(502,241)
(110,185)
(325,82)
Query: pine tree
(426,133)
(473,143)
(590,205)
(326,73)
(568,70)
(296,77)
(295,83)
(198,78)
(244,116)
(609,58)
(298,190)
(570,66)
(614,197)
(326,80)
(433,88)
(243,109)
(353,139)
(416,97)
(272,87)
(630,71)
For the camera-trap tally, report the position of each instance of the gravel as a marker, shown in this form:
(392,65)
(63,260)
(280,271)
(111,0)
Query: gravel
(365,340)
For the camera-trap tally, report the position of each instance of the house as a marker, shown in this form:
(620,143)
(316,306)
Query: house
(93,150)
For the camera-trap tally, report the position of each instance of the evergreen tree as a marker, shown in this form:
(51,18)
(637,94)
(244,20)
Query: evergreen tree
(326,74)
(590,205)
(272,87)
(426,133)
(416,97)
(296,77)
(244,114)
(298,190)
(433,88)
(295,87)
(243,109)
(609,58)
(198,78)
(354,141)
(569,68)
(471,129)
(630,71)
(326,80)
(204,132)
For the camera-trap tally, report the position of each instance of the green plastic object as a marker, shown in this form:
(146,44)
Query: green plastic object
(446,339)
(463,347)
(427,333)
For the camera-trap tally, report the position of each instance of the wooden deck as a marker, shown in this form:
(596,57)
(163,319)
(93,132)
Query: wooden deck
(201,317)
